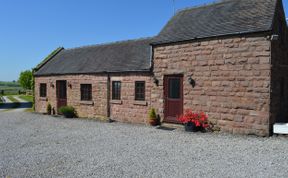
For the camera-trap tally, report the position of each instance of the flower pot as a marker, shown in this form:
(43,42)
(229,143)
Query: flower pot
(153,122)
(68,115)
(191,127)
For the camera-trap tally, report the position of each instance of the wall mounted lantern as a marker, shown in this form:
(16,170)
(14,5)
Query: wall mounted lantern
(274,37)
(69,84)
(191,81)
(51,84)
(155,81)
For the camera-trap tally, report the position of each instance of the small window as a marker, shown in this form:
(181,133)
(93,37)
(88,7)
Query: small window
(140,91)
(116,90)
(43,90)
(174,88)
(86,92)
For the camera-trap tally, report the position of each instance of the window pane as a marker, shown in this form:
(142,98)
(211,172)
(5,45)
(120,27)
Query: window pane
(174,88)
(116,90)
(43,91)
(140,90)
(86,92)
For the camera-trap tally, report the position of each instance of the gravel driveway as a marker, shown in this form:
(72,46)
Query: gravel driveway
(33,145)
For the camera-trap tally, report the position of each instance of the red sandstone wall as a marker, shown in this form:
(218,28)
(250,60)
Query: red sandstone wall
(127,109)
(232,80)
(84,109)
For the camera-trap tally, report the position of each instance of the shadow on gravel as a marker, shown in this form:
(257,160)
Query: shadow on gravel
(165,128)
(15,105)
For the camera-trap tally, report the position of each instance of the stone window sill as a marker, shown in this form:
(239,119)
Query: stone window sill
(116,101)
(43,99)
(87,102)
(141,103)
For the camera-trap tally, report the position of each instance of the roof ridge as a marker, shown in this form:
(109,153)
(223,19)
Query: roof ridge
(204,5)
(110,43)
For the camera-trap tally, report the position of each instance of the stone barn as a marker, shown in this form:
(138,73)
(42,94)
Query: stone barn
(228,59)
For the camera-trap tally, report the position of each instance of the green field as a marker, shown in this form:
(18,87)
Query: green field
(10,88)
(26,98)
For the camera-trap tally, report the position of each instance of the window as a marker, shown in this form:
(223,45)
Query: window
(86,92)
(116,90)
(43,90)
(140,90)
(174,88)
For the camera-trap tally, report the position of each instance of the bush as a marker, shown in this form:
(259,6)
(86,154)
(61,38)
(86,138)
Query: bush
(49,109)
(152,114)
(68,111)
(153,120)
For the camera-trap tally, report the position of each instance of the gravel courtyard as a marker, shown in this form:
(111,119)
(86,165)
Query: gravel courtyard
(33,145)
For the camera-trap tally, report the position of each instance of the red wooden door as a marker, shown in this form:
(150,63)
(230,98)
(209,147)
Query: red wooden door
(61,92)
(173,98)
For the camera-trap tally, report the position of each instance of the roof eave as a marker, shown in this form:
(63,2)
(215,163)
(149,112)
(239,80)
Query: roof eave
(93,73)
(212,36)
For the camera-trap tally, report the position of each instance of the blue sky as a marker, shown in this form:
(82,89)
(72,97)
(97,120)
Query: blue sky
(31,29)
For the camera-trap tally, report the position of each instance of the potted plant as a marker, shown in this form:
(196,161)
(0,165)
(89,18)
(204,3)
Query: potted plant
(49,109)
(193,121)
(68,111)
(153,119)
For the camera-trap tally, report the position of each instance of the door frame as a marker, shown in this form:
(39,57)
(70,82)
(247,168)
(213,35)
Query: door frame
(58,83)
(165,95)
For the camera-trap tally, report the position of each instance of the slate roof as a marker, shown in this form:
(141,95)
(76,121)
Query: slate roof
(125,56)
(218,19)
(228,17)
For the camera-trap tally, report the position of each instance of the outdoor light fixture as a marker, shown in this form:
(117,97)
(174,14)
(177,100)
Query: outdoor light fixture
(274,37)
(155,80)
(51,85)
(191,81)
(69,85)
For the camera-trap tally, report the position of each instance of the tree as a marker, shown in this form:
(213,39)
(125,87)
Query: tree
(25,79)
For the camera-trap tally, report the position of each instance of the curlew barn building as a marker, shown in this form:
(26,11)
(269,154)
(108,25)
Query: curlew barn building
(228,59)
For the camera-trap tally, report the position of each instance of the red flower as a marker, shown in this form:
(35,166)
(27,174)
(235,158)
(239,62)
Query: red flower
(199,119)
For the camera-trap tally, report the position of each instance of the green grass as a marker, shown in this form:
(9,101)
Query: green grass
(11,98)
(26,98)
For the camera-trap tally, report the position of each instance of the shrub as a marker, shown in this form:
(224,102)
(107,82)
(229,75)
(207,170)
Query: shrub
(68,111)
(152,114)
(49,109)
(153,120)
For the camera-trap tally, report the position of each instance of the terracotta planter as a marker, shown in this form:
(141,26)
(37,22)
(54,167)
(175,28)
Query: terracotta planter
(153,122)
